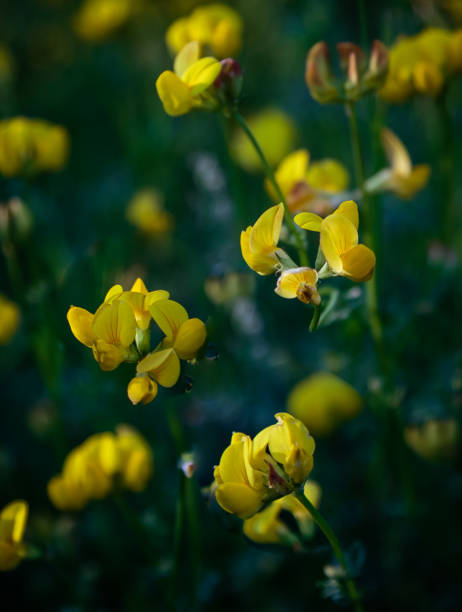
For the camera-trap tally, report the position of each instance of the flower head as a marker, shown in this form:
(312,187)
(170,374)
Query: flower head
(13,519)
(339,241)
(435,439)
(97,19)
(145,211)
(259,241)
(299,283)
(187,87)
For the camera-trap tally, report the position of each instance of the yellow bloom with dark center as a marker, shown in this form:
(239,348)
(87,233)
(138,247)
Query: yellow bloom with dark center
(186,88)
(9,319)
(268,527)
(145,211)
(216,25)
(259,241)
(275,463)
(339,241)
(274,131)
(97,19)
(299,283)
(436,439)
(13,519)
(323,402)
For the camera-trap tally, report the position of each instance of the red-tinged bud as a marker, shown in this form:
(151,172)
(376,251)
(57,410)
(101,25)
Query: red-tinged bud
(346,50)
(318,74)
(378,65)
(229,81)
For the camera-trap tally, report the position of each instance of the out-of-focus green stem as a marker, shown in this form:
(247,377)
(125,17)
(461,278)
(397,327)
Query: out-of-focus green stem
(446,166)
(336,548)
(303,255)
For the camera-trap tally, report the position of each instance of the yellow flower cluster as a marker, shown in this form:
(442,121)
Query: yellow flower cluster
(217,26)
(104,461)
(97,19)
(272,465)
(422,63)
(323,402)
(338,243)
(267,526)
(305,185)
(190,85)
(435,439)
(120,331)
(9,319)
(32,145)
(13,519)
(145,211)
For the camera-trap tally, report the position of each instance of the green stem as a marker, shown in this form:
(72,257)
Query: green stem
(369,226)
(304,261)
(315,318)
(336,548)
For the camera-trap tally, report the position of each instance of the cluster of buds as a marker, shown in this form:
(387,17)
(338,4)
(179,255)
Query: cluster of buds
(360,76)
(99,465)
(119,331)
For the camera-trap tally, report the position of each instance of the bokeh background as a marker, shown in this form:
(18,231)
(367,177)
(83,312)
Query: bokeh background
(81,242)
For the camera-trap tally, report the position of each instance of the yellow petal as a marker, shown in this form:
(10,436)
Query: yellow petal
(14,515)
(108,356)
(289,282)
(358,263)
(349,209)
(396,153)
(174,94)
(139,287)
(265,233)
(338,235)
(188,56)
(141,389)
(155,296)
(309,221)
(261,264)
(291,170)
(162,365)
(238,498)
(200,75)
(115,324)
(328,175)
(80,321)
(169,316)
(113,292)
(189,339)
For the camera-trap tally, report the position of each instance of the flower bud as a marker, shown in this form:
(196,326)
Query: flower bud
(141,389)
(378,65)
(318,74)
(229,81)
(16,220)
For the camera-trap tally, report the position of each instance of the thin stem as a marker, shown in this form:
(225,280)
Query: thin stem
(315,318)
(304,261)
(336,548)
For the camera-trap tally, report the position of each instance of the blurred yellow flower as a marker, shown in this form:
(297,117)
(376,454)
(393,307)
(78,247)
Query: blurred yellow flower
(103,461)
(32,145)
(145,211)
(13,519)
(272,465)
(436,439)
(9,319)
(267,527)
(274,131)
(299,283)
(339,241)
(229,287)
(323,402)
(97,19)
(216,25)
(187,87)
(259,241)
(421,64)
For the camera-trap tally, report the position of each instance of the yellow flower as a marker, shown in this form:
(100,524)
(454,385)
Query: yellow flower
(259,241)
(275,132)
(323,402)
(404,179)
(13,519)
(187,86)
(339,241)
(216,25)
(435,439)
(183,339)
(266,527)
(271,466)
(145,211)
(9,319)
(31,145)
(328,175)
(97,19)
(109,332)
(299,283)
(141,389)
(91,470)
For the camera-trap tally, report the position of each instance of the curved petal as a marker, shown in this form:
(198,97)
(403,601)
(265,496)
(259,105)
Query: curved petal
(169,316)
(139,286)
(358,263)
(309,221)
(396,153)
(174,94)
(349,209)
(189,339)
(290,280)
(292,169)
(265,233)
(14,518)
(113,292)
(188,55)
(115,324)
(80,321)
(338,235)
(163,365)
(201,74)
(238,499)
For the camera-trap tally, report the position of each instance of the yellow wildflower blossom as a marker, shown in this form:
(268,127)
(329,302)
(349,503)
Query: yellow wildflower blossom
(435,439)
(97,19)
(145,211)
(259,241)
(141,389)
(299,283)
(339,241)
(186,87)
(13,519)
(323,402)
(216,25)
(9,319)
(266,527)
